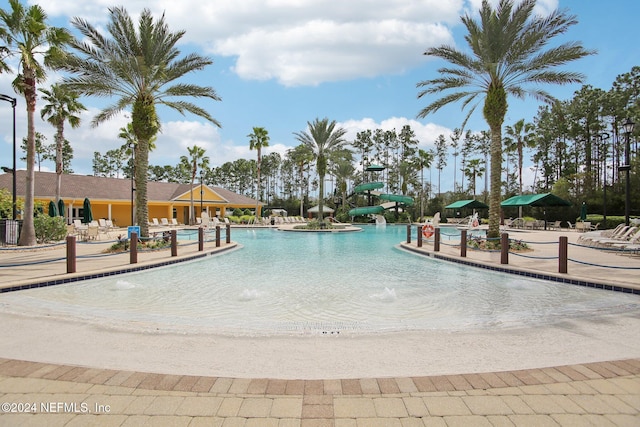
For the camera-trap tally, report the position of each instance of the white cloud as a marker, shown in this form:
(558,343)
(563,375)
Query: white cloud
(299,42)
(542,7)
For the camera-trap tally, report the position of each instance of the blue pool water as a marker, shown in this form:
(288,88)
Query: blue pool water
(290,282)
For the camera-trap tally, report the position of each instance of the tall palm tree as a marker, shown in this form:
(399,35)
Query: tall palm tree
(139,68)
(423,160)
(508,52)
(322,138)
(520,136)
(301,156)
(196,161)
(27,35)
(258,139)
(63,106)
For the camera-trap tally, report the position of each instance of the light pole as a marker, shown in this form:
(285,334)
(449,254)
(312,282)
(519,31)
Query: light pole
(13,102)
(628,129)
(200,192)
(603,138)
(132,146)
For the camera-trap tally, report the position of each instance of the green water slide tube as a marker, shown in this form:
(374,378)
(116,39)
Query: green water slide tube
(368,186)
(366,210)
(399,198)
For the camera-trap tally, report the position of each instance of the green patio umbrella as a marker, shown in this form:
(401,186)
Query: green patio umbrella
(53,209)
(583,212)
(87,215)
(61,208)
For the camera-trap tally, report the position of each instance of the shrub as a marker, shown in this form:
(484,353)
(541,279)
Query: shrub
(247,212)
(49,229)
(237,212)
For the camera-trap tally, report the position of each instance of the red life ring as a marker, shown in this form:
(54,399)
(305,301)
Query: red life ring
(475,223)
(427,230)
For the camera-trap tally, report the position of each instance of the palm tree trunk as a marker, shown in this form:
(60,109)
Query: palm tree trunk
(28,232)
(258,183)
(142,166)
(59,168)
(496,182)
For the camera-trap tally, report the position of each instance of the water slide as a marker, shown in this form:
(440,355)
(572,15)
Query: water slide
(368,187)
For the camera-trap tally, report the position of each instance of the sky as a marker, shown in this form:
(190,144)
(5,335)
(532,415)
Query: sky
(280,64)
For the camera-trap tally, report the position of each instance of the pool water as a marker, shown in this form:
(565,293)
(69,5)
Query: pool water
(325,283)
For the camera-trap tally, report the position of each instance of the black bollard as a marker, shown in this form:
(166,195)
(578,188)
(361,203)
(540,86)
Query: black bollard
(463,243)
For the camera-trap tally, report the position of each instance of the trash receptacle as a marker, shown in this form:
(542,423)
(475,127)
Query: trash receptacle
(9,231)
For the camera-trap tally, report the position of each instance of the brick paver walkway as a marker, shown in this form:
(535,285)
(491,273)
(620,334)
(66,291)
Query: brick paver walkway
(594,394)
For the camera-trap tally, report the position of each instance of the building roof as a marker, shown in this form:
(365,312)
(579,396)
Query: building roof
(101,188)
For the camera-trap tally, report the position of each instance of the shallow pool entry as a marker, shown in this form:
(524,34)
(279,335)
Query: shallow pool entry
(315,283)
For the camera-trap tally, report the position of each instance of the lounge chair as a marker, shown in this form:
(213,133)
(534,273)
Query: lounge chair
(174,222)
(164,222)
(626,237)
(634,239)
(155,222)
(609,233)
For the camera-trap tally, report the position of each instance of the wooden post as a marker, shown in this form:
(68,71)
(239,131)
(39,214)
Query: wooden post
(419,237)
(409,233)
(228,233)
(133,248)
(436,239)
(217,236)
(71,254)
(200,239)
(563,255)
(463,243)
(504,248)
(174,243)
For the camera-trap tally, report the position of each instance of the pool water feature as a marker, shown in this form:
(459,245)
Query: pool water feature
(316,283)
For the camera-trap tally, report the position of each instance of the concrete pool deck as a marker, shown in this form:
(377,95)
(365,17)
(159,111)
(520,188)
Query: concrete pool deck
(578,373)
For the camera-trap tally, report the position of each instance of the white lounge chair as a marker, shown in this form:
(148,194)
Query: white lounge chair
(629,234)
(164,222)
(174,222)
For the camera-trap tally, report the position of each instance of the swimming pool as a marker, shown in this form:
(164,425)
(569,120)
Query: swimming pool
(317,283)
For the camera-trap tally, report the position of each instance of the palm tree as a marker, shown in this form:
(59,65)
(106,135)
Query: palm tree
(301,156)
(424,160)
(474,169)
(519,136)
(508,51)
(258,139)
(322,138)
(27,35)
(139,68)
(196,160)
(63,106)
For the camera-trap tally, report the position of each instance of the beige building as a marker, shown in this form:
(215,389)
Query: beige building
(111,197)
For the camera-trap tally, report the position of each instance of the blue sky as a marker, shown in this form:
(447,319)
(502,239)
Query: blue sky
(281,63)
